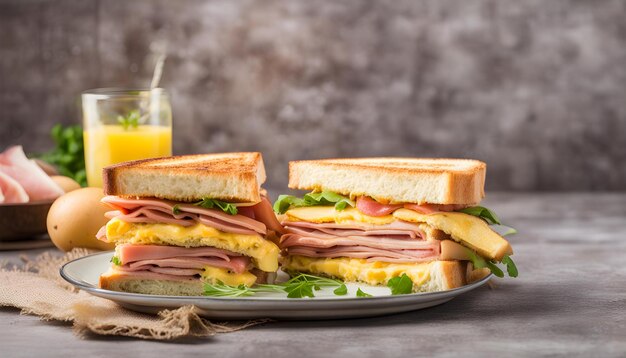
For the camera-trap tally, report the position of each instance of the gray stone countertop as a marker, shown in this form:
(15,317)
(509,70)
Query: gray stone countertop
(570,300)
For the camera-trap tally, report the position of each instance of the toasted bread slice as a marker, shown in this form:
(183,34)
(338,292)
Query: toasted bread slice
(233,177)
(395,180)
(116,280)
(427,277)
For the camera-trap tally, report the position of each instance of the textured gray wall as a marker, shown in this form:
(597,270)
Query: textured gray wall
(537,89)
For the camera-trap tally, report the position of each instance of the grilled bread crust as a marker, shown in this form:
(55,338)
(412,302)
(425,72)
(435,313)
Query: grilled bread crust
(233,177)
(395,180)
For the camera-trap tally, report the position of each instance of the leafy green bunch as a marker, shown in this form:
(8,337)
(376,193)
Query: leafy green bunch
(68,156)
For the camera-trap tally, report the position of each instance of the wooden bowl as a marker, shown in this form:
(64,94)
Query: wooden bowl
(20,221)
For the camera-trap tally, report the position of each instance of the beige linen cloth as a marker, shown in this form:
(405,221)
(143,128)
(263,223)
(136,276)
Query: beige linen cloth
(37,288)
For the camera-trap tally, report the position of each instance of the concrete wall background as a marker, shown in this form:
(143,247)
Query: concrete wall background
(536,89)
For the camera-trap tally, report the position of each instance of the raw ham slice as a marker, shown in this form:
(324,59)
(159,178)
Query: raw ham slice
(11,192)
(36,183)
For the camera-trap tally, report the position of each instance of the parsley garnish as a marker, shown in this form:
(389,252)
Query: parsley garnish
(213,204)
(130,121)
(116,261)
(299,286)
(360,293)
(400,285)
(341,290)
(324,198)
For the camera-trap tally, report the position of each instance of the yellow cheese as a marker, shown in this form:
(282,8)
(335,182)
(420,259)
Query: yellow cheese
(264,253)
(325,214)
(213,274)
(467,229)
(372,273)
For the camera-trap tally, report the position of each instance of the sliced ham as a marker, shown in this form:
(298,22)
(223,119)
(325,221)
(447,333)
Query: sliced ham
(264,213)
(395,242)
(11,192)
(178,261)
(371,207)
(396,228)
(162,211)
(128,253)
(433,208)
(35,182)
(236,264)
(289,240)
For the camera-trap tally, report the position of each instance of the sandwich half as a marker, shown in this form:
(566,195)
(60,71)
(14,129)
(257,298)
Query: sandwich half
(372,220)
(184,221)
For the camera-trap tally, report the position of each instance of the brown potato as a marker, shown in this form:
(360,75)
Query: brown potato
(75,218)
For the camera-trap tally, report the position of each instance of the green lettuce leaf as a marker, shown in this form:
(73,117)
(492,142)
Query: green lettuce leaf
(324,198)
(217,204)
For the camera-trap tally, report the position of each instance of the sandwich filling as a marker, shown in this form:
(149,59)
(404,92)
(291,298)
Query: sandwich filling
(382,240)
(165,240)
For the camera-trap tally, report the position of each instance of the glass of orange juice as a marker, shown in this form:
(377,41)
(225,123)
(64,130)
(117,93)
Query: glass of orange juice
(124,124)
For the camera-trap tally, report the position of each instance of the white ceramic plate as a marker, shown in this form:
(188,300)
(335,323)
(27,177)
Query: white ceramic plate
(84,272)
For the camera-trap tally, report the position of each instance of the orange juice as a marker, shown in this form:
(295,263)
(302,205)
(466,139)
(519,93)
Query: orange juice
(111,144)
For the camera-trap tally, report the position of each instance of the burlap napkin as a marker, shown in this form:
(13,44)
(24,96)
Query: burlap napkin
(37,288)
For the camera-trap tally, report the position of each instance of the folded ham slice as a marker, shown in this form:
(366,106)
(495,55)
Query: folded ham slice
(395,242)
(11,192)
(371,207)
(36,183)
(162,211)
(179,261)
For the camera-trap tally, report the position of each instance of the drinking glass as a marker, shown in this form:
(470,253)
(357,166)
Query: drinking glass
(124,124)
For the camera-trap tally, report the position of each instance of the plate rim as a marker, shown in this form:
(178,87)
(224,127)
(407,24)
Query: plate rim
(251,300)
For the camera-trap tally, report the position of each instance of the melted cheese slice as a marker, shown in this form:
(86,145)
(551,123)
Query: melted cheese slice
(213,274)
(467,229)
(264,253)
(326,214)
